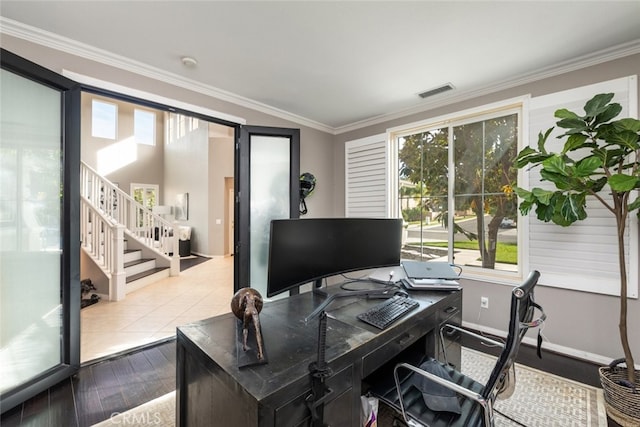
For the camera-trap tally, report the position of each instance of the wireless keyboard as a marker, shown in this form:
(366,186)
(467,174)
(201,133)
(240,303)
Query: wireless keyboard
(388,311)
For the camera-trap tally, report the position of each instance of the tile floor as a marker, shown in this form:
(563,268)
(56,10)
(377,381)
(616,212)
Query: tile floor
(154,312)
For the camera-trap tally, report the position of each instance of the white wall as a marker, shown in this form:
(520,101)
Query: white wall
(187,171)
(221,158)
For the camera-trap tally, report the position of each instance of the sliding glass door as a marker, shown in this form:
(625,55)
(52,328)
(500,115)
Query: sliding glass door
(39,239)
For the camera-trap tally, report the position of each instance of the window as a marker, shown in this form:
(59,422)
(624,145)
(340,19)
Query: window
(476,199)
(104,119)
(147,196)
(178,126)
(144,127)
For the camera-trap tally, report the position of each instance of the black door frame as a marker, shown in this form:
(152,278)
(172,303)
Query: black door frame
(242,258)
(69,280)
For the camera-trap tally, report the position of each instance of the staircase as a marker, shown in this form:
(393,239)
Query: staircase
(130,245)
(139,271)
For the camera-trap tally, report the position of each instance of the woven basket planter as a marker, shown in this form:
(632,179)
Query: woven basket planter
(622,403)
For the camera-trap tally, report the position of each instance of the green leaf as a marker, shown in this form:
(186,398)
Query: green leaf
(626,139)
(576,125)
(574,142)
(587,166)
(542,140)
(627,123)
(563,113)
(545,212)
(560,220)
(524,155)
(621,182)
(573,207)
(542,196)
(525,207)
(555,164)
(523,194)
(535,158)
(634,205)
(526,151)
(562,182)
(598,184)
(609,113)
(597,104)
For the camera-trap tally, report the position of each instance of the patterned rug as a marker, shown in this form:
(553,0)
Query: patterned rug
(539,400)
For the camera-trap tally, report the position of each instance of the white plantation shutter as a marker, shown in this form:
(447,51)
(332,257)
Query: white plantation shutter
(583,256)
(367,177)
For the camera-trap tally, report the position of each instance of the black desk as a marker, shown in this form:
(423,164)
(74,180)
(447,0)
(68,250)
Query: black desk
(212,391)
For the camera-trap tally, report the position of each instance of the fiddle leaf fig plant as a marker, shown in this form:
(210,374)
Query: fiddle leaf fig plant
(600,158)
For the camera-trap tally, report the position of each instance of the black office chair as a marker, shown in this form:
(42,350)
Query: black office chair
(460,400)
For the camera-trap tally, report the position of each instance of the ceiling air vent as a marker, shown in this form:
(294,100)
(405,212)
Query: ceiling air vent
(431,92)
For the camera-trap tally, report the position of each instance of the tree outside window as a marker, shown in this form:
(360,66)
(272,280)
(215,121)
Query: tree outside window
(484,208)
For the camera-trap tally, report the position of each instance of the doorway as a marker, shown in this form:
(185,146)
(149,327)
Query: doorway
(152,313)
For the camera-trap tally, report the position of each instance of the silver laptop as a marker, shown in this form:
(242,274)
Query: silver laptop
(430,275)
(429,270)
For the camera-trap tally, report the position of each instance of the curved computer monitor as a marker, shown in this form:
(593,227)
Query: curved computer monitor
(306,250)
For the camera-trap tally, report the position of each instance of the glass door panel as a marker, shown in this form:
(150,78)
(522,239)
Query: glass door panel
(39,239)
(30,303)
(269,199)
(268,184)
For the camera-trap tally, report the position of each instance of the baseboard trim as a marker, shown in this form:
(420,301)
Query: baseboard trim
(568,351)
(558,360)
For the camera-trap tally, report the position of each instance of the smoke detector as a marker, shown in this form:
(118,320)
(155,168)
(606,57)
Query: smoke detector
(189,62)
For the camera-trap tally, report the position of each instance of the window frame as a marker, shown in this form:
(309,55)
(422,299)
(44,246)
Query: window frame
(519,106)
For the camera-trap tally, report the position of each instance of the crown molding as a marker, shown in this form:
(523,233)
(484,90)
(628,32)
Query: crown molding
(57,42)
(73,47)
(595,58)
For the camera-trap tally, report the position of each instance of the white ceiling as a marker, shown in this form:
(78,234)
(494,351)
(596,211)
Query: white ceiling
(338,65)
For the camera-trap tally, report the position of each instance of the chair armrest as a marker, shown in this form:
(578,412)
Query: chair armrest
(470,394)
(464,331)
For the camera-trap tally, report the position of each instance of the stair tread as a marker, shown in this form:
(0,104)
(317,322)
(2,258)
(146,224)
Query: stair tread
(138,261)
(145,273)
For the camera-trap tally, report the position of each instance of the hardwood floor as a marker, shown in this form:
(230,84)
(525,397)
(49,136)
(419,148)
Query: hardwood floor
(101,389)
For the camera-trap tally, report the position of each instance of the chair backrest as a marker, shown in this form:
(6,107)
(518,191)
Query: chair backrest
(522,310)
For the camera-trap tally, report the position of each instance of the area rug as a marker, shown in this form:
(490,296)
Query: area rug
(539,400)
(191,261)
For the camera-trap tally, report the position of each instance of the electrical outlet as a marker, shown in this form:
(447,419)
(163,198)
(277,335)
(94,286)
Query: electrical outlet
(484,302)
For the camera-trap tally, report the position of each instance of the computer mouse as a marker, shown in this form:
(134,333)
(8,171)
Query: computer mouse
(401,293)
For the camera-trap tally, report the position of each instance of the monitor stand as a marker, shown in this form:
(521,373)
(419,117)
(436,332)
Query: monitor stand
(368,293)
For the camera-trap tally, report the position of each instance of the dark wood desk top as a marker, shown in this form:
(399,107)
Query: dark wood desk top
(291,344)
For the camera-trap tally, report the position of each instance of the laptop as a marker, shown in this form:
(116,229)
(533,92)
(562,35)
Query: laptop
(432,275)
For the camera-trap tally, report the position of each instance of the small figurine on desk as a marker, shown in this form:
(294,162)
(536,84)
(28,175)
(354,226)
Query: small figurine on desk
(246,304)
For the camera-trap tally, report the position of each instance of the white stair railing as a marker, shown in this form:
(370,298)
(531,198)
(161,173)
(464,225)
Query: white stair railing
(113,211)
(103,240)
